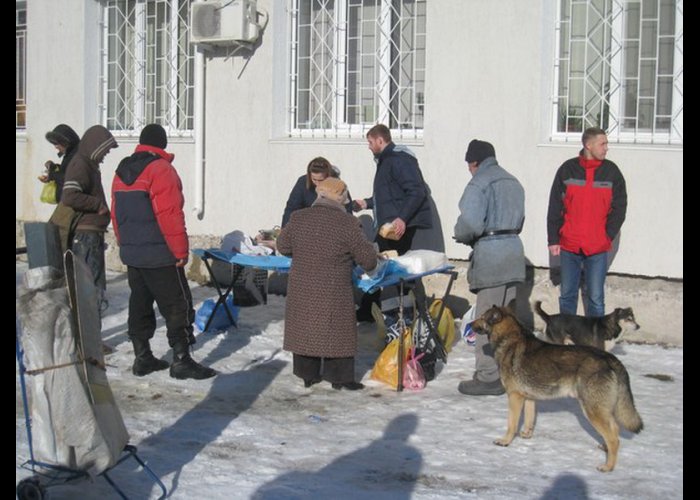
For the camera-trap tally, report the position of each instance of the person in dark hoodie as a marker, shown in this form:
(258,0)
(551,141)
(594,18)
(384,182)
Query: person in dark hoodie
(65,140)
(84,195)
(149,224)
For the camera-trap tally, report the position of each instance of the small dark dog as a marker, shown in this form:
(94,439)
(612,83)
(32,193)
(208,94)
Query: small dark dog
(600,332)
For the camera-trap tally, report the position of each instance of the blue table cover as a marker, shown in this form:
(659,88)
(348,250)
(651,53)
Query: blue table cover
(270,262)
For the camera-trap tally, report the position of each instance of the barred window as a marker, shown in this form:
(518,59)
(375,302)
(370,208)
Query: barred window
(148,65)
(619,66)
(21,62)
(355,63)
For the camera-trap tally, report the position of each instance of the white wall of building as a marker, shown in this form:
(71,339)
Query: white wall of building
(489,76)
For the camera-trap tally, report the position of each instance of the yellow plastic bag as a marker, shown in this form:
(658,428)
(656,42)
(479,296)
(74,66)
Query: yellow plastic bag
(48,193)
(386,368)
(446,328)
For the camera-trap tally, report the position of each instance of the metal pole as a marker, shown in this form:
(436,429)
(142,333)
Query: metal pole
(402,327)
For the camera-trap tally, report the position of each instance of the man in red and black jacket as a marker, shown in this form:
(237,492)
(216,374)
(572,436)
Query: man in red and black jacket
(149,224)
(587,206)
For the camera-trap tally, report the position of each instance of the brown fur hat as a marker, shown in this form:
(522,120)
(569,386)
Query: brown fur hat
(333,189)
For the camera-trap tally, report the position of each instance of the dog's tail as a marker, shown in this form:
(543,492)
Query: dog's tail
(538,310)
(625,412)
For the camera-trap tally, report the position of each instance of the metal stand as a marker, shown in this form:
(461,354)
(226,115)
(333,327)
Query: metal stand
(47,475)
(402,330)
(432,326)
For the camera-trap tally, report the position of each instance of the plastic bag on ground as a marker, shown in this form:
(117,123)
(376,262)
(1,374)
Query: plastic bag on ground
(386,368)
(465,327)
(220,321)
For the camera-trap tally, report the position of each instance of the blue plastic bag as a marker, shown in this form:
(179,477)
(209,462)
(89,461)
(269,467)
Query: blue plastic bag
(385,269)
(220,321)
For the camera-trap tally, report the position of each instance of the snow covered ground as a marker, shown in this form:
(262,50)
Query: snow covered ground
(254,431)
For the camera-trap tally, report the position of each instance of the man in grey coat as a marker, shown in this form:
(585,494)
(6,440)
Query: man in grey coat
(492,212)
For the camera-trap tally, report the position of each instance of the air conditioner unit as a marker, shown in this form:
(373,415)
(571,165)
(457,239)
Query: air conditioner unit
(224,22)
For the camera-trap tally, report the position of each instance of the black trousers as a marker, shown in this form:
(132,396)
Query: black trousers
(333,370)
(401,246)
(168,288)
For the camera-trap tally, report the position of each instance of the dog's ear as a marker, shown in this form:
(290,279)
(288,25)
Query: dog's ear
(493,315)
(511,306)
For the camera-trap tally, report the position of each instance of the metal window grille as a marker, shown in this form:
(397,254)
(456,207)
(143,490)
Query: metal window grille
(148,66)
(355,63)
(619,66)
(21,65)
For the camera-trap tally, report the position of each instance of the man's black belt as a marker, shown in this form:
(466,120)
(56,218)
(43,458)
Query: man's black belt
(501,231)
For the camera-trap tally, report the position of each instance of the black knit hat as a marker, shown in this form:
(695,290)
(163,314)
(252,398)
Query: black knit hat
(154,135)
(478,151)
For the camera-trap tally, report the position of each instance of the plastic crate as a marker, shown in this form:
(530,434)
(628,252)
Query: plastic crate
(249,284)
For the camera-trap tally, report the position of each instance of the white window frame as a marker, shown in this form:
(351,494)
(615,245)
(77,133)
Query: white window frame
(383,85)
(615,102)
(153,80)
(21,68)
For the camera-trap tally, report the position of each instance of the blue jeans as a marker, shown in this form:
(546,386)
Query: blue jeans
(595,268)
(90,246)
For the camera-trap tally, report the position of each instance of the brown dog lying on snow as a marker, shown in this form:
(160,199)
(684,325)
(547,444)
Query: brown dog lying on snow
(532,369)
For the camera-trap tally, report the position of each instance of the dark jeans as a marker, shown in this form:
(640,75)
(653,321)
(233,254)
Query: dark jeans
(595,268)
(168,287)
(90,247)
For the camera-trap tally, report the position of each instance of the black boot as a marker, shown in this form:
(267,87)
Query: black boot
(308,382)
(145,362)
(184,366)
(350,386)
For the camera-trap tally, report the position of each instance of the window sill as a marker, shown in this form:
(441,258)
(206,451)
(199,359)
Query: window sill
(342,141)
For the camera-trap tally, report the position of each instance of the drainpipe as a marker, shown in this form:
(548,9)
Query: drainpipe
(199,133)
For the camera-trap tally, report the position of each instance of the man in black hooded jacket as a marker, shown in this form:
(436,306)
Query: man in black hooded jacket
(66,142)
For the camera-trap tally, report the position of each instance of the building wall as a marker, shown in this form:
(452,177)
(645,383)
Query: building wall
(489,67)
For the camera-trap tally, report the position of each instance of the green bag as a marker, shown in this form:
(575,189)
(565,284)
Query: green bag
(48,193)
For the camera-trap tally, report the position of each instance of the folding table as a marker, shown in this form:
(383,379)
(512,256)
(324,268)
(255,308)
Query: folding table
(278,263)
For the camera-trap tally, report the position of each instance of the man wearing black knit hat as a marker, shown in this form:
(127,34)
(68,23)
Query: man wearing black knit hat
(492,212)
(149,224)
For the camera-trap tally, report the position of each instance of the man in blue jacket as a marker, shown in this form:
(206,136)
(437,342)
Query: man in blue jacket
(492,212)
(400,197)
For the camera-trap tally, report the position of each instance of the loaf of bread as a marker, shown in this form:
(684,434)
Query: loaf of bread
(389,254)
(388,231)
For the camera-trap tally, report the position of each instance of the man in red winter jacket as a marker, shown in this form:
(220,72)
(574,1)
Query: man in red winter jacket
(587,206)
(149,224)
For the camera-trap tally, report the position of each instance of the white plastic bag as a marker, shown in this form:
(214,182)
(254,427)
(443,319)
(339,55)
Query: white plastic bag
(421,261)
(238,241)
(465,327)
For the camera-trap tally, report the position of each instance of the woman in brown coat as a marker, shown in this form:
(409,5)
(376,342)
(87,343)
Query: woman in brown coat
(324,242)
